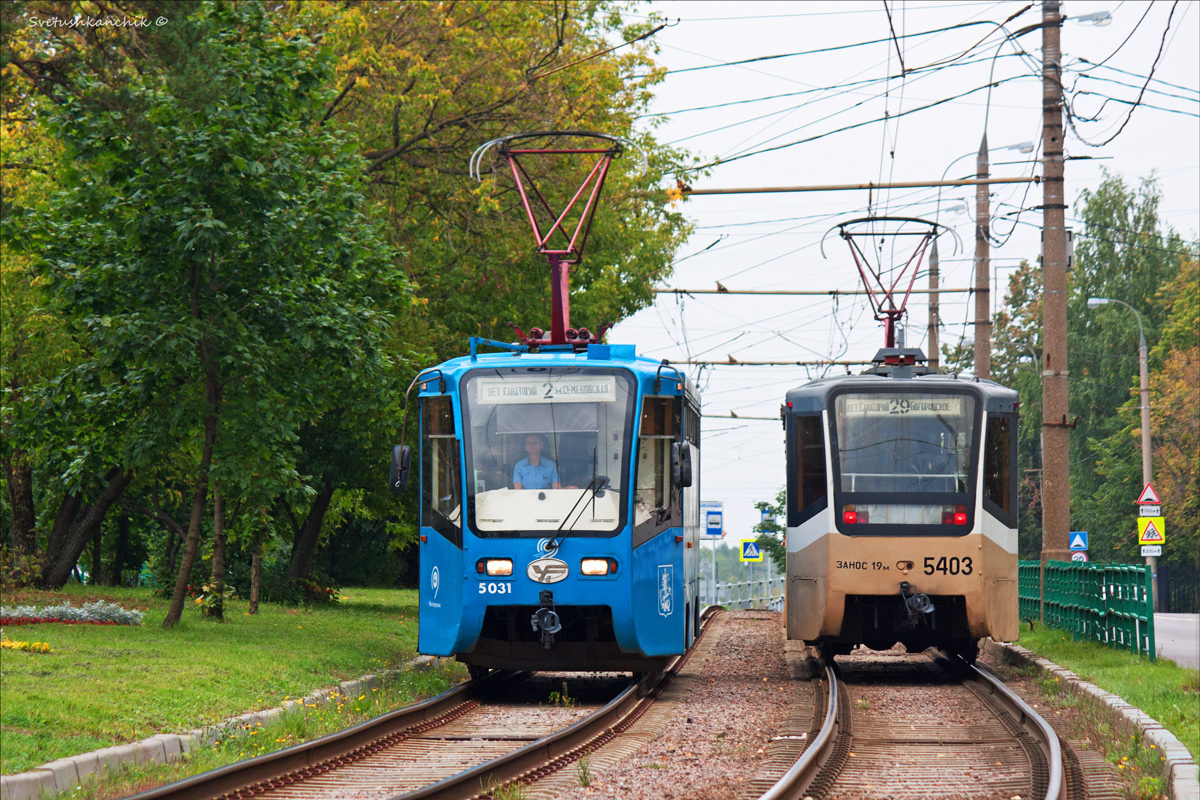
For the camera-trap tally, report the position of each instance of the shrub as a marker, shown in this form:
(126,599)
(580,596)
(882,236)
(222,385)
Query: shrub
(97,613)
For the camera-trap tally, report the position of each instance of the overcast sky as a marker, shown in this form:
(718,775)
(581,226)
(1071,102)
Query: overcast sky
(773,241)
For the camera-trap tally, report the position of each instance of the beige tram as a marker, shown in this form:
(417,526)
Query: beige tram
(901,509)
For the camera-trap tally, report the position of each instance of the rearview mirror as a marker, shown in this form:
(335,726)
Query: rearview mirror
(681,464)
(398,474)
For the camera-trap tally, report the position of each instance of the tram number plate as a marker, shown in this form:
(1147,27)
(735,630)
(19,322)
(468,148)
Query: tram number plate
(948,566)
(496,587)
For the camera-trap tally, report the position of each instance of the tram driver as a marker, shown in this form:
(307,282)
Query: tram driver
(533,471)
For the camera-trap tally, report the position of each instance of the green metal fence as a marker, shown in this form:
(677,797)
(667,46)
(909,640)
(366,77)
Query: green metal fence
(1110,603)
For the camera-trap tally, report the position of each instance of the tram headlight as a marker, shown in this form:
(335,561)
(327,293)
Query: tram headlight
(495,567)
(597,566)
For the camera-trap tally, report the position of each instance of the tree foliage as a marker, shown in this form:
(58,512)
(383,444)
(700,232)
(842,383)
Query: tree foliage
(210,251)
(1122,253)
(232,239)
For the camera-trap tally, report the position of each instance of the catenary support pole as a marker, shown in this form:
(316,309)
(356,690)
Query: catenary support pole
(983,303)
(1056,441)
(934,322)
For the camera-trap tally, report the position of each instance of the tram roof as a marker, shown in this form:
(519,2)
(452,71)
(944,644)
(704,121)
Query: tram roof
(623,356)
(813,396)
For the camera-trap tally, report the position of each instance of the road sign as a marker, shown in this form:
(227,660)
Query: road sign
(751,551)
(1079,542)
(1149,511)
(1152,530)
(712,512)
(1151,550)
(1148,496)
(1079,555)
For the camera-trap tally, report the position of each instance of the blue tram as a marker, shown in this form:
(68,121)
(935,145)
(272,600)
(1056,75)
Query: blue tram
(559,508)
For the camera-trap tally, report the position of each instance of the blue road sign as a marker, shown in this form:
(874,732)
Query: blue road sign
(1079,540)
(751,551)
(712,512)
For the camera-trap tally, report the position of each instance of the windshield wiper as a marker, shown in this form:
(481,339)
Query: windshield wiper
(595,485)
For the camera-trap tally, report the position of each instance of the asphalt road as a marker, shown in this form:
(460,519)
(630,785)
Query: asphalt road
(1177,637)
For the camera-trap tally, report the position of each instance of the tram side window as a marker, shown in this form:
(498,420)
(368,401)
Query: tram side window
(657,503)
(441,495)
(999,487)
(691,418)
(810,486)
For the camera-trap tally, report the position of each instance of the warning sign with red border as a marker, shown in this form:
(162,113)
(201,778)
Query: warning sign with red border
(1152,530)
(1148,496)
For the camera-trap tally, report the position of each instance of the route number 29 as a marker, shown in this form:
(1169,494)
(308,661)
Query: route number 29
(495,588)
(948,566)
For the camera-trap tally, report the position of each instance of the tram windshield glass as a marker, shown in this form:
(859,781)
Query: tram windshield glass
(547,449)
(895,444)
(905,443)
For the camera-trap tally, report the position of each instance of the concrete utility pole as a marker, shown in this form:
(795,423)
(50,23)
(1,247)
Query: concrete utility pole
(1056,440)
(983,297)
(934,356)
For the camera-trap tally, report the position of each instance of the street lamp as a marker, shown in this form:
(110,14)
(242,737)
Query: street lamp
(1144,369)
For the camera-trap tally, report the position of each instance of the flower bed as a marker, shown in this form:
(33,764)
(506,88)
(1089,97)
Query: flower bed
(97,613)
(28,647)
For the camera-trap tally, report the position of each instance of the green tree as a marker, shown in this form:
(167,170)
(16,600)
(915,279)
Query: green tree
(1122,253)
(771,529)
(1175,435)
(213,254)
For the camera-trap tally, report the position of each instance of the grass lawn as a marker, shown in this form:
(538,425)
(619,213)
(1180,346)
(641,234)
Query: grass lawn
(1164,690)
(111,684)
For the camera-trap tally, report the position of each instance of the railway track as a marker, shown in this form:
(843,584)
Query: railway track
(925,727)
(464,743)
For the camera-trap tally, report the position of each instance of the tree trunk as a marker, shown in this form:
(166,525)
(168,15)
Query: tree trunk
(200,492)
(122,550)
(20,497)
(255,573)
(58,571)
(68,509)
(216,608)
(306,543)
(97,540)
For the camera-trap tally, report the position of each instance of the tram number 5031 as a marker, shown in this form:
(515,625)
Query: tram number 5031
(948,566)
(495,588)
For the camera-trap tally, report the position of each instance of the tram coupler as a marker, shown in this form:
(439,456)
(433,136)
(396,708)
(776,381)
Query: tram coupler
(916,604)
(545,619)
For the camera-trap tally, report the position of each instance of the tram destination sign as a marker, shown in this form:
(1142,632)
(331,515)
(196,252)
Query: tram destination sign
(916,406)
(547,389)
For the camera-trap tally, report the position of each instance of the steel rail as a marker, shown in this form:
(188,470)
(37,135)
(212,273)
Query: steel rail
(1033,722)
(325,754)
(548,754)
(315,754)
(793,783)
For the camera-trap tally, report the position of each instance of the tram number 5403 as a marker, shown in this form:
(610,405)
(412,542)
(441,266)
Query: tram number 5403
(948,566)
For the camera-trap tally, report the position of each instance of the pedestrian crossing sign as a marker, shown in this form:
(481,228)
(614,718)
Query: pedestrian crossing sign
(1152,530)
(751,551)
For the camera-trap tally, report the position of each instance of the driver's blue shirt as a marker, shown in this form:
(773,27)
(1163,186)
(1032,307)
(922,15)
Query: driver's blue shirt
(543,476)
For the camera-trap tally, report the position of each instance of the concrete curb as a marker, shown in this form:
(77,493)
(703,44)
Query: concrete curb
(65,774)
(1180,773)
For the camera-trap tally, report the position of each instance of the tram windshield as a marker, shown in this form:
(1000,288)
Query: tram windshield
(905,443)
(547,449)
(895,444)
